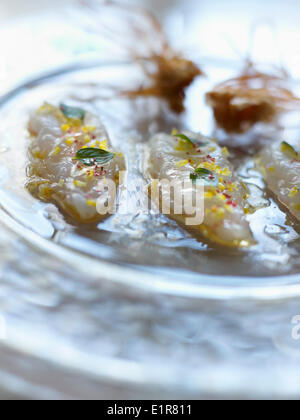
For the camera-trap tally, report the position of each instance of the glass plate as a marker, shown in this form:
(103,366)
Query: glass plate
(140,249)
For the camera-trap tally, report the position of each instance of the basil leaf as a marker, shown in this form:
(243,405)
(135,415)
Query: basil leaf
(72,112)
(202,174)
(289,150)
(191,142)
(91,156)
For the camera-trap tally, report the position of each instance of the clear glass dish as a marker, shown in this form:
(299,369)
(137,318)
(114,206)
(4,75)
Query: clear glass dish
(140,249)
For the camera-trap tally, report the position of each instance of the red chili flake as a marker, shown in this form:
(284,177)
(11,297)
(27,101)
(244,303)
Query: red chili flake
(227,196)
(210,158)
(231,203)
(211,176)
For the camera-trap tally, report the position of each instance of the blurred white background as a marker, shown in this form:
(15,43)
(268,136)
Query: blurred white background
(194,22)
(11,8)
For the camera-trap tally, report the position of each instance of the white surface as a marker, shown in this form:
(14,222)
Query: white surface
(15,8)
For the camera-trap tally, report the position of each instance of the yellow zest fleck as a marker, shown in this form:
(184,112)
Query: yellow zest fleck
(221,197)
(46,108)
(89,129)
(271,169)
(210,166)
(221,187)
(174,132)
(103,144)
(70,141)
(55,152)
(79,184)
(212,149)
(91,174)
(209,194)
(297,207)
(37,154)
(294,191)
(225,152)
(250,209)
(218,212)
(87,139)
(45,191)
(183,146)
(207,165)
(91,203)
(232,187)
(229,208)
(245,188)
(65,127)
(182,163)
(221,212)
(226,172)
(61,182)
(118,154)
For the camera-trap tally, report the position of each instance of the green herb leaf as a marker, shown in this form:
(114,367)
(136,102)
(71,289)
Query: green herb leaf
(191,142)
(289,150)
(92,156)
(202,174)
(72,112)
